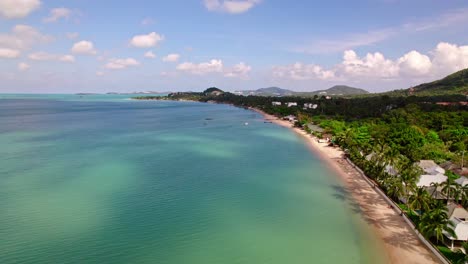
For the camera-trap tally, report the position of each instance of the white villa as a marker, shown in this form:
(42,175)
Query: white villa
(290,118)
(289,104)
(430,167)
(458,217)
(276,103)
(310,106)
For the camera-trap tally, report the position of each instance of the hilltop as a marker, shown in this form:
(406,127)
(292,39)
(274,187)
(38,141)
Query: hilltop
(276,91)
(455,83)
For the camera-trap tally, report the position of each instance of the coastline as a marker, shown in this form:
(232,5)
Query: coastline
(398,240)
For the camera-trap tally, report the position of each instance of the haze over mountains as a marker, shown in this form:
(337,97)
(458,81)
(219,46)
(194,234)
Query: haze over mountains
(276,91)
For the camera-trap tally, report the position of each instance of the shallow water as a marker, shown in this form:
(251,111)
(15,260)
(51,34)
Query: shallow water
(110,180)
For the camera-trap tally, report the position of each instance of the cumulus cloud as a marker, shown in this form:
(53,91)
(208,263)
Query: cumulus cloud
(84,48)
(150,55)
(146,41)
(9,53)
(300,71)
(446,58)
(230,6)
(56,14)
(44,56)
(171,57)
(23,66)
(240,70)
(23,37)
(414,63)
(450,57)
(372,65)
(118,64)
(201,68)
(18,8)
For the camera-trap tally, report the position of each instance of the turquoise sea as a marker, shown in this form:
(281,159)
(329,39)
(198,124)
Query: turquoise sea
(104,179)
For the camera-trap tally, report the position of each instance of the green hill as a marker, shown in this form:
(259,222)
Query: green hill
(276,91)
(456,83)
(340,90)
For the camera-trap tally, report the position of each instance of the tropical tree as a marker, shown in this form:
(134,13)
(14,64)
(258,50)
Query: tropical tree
(449,189)
(434,222)
(394,187)
(419,200)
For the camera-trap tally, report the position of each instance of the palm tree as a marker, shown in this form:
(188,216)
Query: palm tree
(394,187)
(449,188)
(434,222)
(419,200)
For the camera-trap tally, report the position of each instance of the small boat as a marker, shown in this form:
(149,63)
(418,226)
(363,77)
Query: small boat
(246,123)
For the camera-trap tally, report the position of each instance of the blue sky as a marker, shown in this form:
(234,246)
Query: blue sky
(124,46)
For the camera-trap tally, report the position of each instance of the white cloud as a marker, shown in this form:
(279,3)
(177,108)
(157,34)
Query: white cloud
(146,41)
(23,66)
(150,55)
(56,14)
(373,65)
(9,53)
(171,57)
(446,58)
(18,8)
(240,70)
(117,64)
(44,56)
(23,37)
(84,47)
(300,71)
(201,68)
(449,58)
(414,63)
(73,35)
(231,6)
(99,73)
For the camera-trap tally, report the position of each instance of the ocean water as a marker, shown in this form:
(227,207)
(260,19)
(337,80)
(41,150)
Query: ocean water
(111,180)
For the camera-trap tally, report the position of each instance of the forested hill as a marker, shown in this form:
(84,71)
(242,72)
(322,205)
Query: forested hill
(276,91)
(456,83)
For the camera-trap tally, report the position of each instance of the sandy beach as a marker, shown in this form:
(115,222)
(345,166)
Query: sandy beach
(399,241)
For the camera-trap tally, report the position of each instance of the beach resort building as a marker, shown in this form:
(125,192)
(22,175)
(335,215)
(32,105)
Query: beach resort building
(289,104)
(290,118)
(458,217)
(433,173)
(276,103)
(310,106)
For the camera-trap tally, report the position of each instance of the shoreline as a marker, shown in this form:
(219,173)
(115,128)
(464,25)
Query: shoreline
(398,240)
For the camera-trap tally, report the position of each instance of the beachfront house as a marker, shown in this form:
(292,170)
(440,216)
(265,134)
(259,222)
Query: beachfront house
(433,173)
(276,103)
(458,217)
(289,104)
(426,180)
(290,118)
(430,167)
(310,106)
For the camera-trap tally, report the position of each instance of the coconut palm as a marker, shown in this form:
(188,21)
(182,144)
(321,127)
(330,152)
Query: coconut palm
(434,222)
(449,188)
(394,187)
(419,200)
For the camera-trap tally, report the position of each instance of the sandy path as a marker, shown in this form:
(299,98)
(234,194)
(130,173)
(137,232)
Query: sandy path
(398,239)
